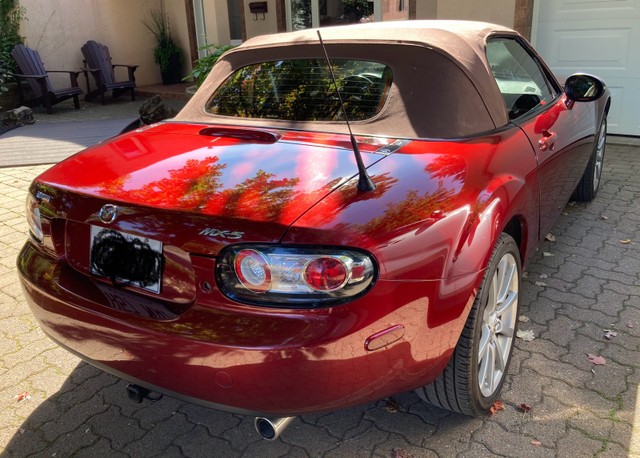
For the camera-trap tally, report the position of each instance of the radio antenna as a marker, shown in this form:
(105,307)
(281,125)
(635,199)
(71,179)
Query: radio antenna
(365,183)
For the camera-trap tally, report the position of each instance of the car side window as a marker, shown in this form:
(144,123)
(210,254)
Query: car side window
(520,78)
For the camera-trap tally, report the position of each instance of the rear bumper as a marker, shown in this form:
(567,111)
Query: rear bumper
(254,360)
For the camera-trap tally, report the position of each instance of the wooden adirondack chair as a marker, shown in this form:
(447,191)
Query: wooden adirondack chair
(97,61)
(34,72)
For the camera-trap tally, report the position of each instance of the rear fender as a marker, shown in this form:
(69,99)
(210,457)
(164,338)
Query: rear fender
(505,198)
(477,239)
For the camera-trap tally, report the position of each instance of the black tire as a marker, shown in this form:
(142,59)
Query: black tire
(590,182)
(459,387)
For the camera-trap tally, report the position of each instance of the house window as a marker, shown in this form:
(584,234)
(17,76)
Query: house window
(303,14)
(300,14)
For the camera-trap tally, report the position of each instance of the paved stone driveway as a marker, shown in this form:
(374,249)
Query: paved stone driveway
(576,287)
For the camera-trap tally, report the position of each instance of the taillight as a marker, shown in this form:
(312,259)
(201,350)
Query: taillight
(294,276)
(326,274)
(33,219)
(253,271)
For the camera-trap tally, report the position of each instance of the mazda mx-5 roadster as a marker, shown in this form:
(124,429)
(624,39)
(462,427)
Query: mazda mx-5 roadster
(336,216)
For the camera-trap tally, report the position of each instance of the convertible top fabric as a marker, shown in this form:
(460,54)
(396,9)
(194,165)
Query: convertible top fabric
(442,83)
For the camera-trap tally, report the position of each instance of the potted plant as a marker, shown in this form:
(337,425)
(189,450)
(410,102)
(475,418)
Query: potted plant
(166,54)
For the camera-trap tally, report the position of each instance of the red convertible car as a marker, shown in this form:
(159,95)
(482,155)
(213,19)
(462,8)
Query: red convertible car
(335,216)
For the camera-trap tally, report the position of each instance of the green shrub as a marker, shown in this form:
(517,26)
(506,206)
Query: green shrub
(6,65)
(10,16)
(205,64)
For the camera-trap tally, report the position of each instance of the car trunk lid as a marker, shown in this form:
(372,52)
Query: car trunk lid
(231,180)
(193,192)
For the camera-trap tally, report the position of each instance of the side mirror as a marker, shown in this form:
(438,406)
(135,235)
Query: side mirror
(582,87)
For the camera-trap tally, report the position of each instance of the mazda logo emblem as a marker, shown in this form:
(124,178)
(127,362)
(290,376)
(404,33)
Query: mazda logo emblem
(108,213)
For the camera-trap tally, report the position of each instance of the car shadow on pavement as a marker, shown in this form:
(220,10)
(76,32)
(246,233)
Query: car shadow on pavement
(91,415)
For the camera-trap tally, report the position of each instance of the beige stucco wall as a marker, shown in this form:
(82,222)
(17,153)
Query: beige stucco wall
(57,29)
(426,9)
(261,27)
(496,11)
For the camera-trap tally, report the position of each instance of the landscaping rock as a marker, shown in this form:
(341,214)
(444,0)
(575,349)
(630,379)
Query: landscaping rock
(18,117)
(155,110)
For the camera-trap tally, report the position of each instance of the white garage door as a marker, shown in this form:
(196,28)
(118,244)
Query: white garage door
(600,37)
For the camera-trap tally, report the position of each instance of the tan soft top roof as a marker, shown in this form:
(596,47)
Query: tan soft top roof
(442,83)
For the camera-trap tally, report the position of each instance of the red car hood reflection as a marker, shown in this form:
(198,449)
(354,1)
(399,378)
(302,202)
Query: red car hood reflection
(171,166)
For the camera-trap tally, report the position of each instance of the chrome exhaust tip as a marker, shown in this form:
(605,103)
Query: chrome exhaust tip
(271,429)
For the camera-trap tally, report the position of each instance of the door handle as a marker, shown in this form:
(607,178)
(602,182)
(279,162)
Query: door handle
(548,141)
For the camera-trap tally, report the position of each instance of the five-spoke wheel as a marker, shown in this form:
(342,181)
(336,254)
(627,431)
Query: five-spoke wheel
(471,382)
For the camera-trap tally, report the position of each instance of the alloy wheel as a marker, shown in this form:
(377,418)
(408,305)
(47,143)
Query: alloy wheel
(498,325)
(599,159)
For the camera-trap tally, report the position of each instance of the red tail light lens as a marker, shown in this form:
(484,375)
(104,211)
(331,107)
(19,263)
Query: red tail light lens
(294,276)
(325,274)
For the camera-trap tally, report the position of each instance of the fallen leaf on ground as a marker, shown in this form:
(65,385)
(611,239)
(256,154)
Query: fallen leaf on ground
(546,254)
(604,218)
(571,204)
(391,406)
(525,274)
(540,283)
(550,237)
(525,408)
(24,396)
(523,319)
(624,242)
(629,324)
(543,276)
(609,334)
(597,360)
(536,443)
(498,405)
(401,453)
(527,336)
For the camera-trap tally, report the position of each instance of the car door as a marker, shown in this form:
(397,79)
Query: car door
(560,131)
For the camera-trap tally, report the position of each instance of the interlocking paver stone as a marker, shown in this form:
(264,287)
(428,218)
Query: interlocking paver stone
(591,283)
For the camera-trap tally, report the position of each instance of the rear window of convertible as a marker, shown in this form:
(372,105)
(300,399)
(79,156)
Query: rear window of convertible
(302,90)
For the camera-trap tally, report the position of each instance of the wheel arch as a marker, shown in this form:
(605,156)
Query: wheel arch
(510,209)
(604,104)
(515,227)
